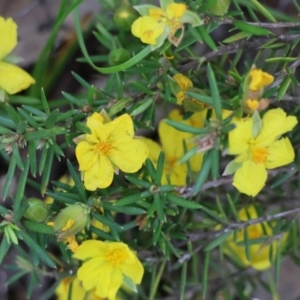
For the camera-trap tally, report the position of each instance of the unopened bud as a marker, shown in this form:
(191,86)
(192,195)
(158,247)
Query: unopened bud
(124,17)
(71,220)
(37,210)
(118,56)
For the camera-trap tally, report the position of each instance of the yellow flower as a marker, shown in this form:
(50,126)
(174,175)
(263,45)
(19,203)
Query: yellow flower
(259,252)
(252,104)
(258,153)
(104,265)
(157,24)
(12,78)
(259,79)
(78,292)
(184,83)
(72,243)
(109,146)
(172,145)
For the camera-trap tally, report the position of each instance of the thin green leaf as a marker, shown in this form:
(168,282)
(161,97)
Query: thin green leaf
(21,187)
(77,181)
(205,273)
(203,174)
(9,177)
(131,62)
(214,92)
(37,249)
(183,202)
(184,127)
(128,200)
(128,210)
(4,247)
(45,102)
(248,28)
(47,170)
(217,241)
(183,279)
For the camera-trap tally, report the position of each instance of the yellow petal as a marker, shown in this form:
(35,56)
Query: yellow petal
(91,270)
(13,79)
(275,123)
(100,174)
(196,162)
(8,36)
(129,155)
(147,29)
(259,79)
(249,210)
(250,178)
(134,269)
(197,119)
(91,248)
(95,123)
(183,81)
(281,153)
(172,140)
(175,10)
(260,256)
(86,155)
(154,150)
(176,173)
(120,129)
(157,13)
(240,136)
(109,284)
(78,292)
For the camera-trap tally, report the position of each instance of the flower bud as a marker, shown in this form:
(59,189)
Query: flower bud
(118,56)
(124,17)
(71,220)
(37,210)
(220,7)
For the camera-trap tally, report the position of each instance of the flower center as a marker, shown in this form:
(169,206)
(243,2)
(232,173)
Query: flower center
(259,155)
(103,148)
(115,257)
(253,233)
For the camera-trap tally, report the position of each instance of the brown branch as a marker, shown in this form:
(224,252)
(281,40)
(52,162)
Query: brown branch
(260,24)
(233,226)
(235,47)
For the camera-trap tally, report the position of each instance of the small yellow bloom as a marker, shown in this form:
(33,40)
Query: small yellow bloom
(259,252)
(12,78)
(259,79)
(252,104)
(157,24)
(172,145)
(109,146)
(72,243)
(184,83)
(265,151)
(78,292)
(104,265)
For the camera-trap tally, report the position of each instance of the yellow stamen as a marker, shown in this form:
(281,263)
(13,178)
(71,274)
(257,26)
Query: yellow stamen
(103,148)
(115,257)
(259,155)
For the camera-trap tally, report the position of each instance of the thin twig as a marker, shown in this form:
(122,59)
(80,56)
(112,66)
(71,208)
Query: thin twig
(233,226)
(235,47)
(260,24)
